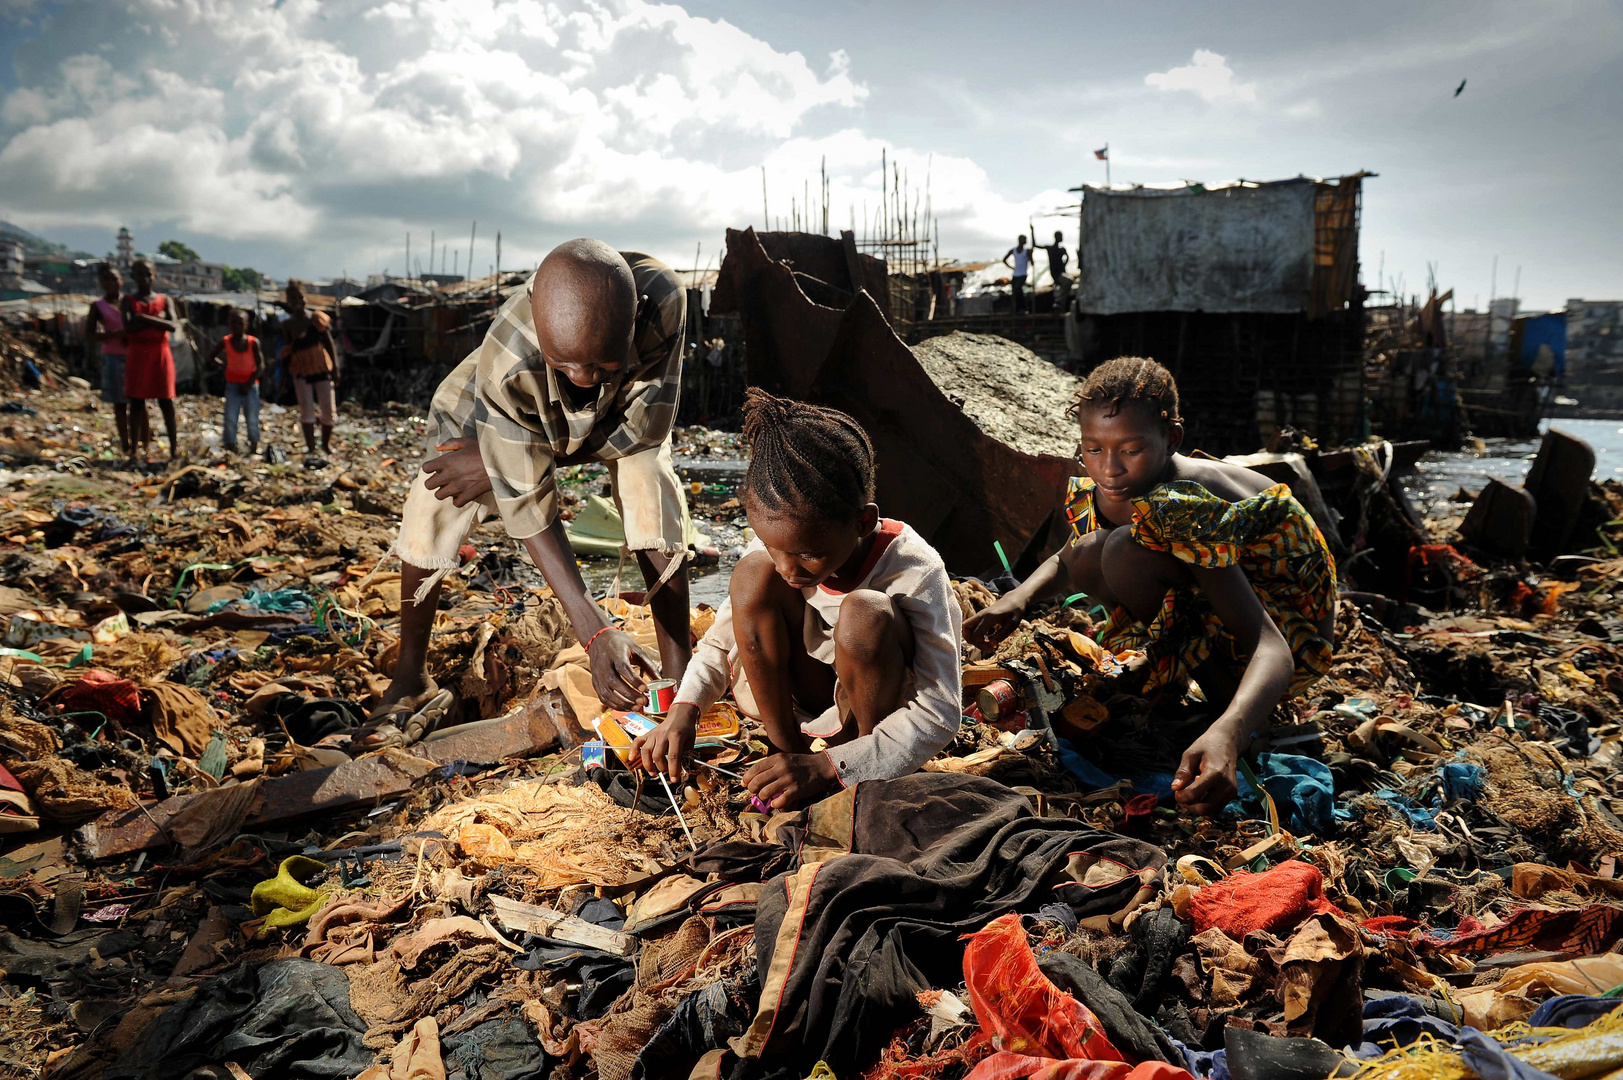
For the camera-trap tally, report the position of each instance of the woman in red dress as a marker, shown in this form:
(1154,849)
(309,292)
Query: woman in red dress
(149,367)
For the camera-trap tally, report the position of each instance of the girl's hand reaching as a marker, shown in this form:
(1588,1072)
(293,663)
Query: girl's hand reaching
(1206,779)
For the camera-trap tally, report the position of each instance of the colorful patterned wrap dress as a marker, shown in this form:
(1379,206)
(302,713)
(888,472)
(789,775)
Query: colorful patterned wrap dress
(1270,536)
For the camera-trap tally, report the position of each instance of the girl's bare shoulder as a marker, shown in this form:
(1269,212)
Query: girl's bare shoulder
(1230,482)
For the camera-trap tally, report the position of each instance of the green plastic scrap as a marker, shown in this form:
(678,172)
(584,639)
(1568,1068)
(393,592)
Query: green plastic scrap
(180,581)
(282,901)
(212,760)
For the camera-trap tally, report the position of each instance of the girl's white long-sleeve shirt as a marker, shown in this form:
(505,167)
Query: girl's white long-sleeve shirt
(906,568)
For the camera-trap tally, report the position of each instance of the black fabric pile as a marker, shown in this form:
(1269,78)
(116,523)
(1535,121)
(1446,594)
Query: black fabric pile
(285,1019)
(926,859)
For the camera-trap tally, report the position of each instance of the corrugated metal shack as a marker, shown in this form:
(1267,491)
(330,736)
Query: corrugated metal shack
(401,337)
(1248,293)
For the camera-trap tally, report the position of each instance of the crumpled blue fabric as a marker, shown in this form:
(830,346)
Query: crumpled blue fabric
(1063,914)
(1460,780)
(1205,1064)
(1419,816)
(1149,783)
(1302,787)
(1399,1020)
(1489,1059)
(1572,1011)
(1456,781)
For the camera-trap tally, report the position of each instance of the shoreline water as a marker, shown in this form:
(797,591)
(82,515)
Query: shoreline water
(1440,474)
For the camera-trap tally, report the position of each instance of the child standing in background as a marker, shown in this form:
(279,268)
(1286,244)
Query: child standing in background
(104,325)
(149,366)
(310,354)
(239,351)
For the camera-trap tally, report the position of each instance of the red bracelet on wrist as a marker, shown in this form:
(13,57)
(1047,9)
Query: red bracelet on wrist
(595,636)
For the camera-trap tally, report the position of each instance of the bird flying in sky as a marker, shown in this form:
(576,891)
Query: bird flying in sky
(1459,88)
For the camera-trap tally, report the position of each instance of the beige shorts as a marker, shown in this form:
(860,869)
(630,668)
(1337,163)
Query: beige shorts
(314,398)
(646,492)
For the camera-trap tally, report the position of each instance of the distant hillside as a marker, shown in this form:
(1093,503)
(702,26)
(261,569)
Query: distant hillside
(38,245)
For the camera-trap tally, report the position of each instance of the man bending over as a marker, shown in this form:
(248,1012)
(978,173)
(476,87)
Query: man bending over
(583,365)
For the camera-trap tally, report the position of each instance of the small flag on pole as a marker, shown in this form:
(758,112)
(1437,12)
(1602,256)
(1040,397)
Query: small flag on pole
(1103,153)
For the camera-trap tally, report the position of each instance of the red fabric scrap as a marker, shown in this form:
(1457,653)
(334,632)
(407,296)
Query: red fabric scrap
(1390,925)
(1039,1030)
(101,691)
(1274,900)
(1019,1007)
(1140,812)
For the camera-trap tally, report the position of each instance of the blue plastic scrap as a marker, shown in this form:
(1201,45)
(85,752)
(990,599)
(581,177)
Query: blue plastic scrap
(1303,789)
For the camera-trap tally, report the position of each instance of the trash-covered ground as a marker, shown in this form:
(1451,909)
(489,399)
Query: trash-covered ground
(197,873)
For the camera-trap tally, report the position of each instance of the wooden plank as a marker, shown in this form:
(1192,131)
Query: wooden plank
(522,918)
(338,787)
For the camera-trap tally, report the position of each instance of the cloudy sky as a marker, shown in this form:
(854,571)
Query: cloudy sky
(308,138)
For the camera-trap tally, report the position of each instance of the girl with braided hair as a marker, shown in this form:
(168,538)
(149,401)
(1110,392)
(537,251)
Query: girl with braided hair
(839,624)
(1211,569)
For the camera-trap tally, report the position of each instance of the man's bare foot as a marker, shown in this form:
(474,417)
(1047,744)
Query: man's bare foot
(412,691)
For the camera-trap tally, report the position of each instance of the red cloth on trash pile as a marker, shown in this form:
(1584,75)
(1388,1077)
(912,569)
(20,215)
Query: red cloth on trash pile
(1040,1031)
(102,691)
(1274,900)
(1390,925)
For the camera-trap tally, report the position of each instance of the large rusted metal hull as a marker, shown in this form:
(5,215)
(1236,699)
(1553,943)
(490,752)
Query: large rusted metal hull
(960,488)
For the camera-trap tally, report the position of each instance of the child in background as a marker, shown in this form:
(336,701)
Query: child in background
(309,354)
(149,366)
(239,352)
(104,324)
(1210,568)
(839,624)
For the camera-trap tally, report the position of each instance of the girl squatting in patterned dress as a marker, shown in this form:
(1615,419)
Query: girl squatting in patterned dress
(1209,568)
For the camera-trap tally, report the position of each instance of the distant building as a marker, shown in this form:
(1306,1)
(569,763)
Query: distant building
(339,287)
(188,275)
(126,250)
(1595,353)
(11,264)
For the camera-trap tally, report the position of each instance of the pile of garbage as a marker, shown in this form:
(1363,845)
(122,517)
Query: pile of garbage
(201,869)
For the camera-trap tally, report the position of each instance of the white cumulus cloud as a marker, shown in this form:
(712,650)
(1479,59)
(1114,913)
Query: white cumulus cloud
(321,133)
(1207,74)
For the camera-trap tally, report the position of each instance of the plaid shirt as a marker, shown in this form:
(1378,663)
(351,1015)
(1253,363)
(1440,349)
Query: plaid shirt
(527,417)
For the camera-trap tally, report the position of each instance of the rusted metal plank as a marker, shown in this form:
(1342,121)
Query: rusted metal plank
(367,779)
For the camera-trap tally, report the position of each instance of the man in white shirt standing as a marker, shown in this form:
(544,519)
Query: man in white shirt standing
(1020,255)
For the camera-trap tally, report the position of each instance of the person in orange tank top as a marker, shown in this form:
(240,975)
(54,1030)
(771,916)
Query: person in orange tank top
(239,352)
(149,366)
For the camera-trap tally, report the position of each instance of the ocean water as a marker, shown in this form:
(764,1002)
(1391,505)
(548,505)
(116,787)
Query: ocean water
(1440,474)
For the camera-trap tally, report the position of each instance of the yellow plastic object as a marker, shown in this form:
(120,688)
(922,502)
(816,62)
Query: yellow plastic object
(282,901)
(720,721)
(619,730)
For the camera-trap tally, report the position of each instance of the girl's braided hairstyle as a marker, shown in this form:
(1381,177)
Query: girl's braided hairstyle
(805,459)
(1133,380)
